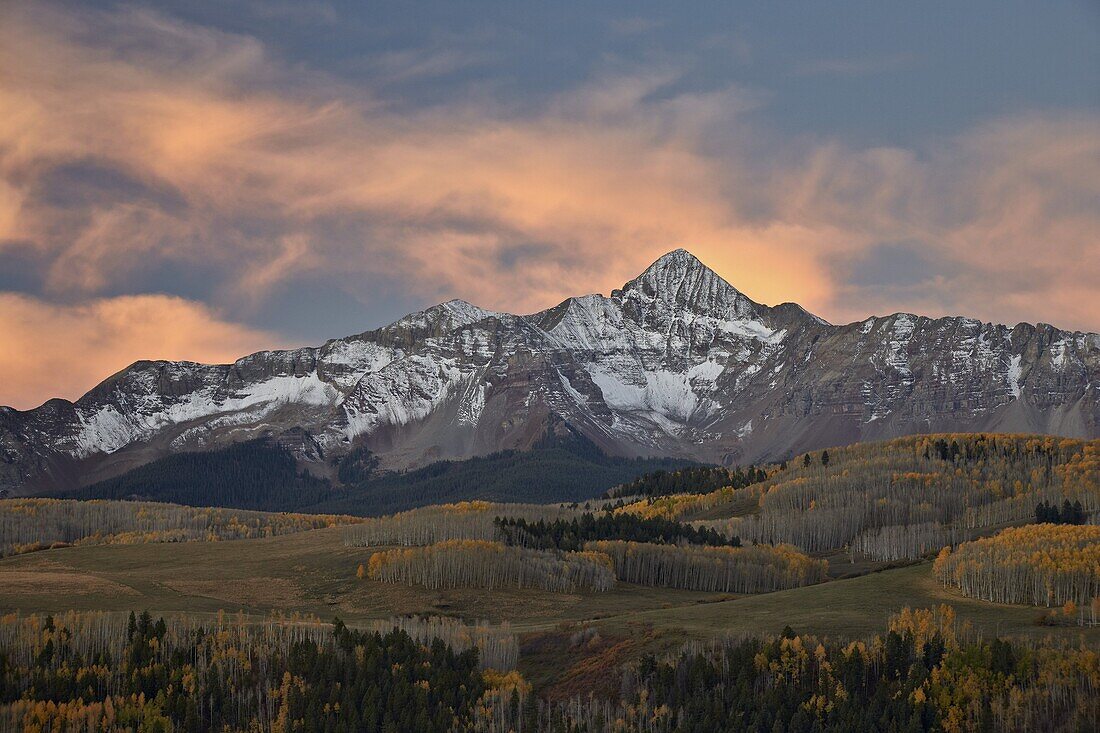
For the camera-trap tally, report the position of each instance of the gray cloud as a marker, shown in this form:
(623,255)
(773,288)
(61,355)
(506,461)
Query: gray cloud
(152,155)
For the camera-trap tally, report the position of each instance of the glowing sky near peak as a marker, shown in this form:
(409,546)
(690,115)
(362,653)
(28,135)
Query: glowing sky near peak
(199,179)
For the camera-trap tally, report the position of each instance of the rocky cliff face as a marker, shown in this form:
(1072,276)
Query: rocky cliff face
(677,362)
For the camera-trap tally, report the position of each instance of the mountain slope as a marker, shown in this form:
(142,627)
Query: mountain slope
(262,475)
(676,363)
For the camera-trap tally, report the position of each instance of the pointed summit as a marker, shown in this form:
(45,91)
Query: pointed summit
(679,279)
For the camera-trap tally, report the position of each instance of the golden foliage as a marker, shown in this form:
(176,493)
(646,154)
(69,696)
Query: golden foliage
(1041,564)
(755,569)
(35,524)
(907,498)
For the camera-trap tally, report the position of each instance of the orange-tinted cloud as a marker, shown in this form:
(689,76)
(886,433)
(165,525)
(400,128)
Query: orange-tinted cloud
(231,161)
(48,350)
(593,179)
(1010,213)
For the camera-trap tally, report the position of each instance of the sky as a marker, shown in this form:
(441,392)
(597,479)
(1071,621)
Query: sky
(200,179)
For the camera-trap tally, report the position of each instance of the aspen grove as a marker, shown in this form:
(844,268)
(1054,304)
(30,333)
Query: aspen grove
(900,499)
(484,564)
(36,524)
(1040,564)
(756,569)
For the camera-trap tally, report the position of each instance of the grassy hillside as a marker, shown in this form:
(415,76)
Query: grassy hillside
(820,503)
(314,573)
(848,514)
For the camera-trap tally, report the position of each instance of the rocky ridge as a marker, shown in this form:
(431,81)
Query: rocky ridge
(677,362)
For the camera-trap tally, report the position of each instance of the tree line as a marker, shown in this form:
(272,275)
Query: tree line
(256,474)
(485,564)
(572,534)
(596,566)
(693,480)
(91,672)
(543,474)
(36,524)
(464,520)
(264,475)
(922,674)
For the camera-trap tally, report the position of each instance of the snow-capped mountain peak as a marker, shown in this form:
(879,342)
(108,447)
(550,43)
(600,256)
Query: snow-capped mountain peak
(680,281)
(677,362)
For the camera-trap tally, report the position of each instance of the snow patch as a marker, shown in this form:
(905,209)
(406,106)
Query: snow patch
(617,394)
(577,397)
(404,392)
(106,430)
(665,393)
(472,405)
(706,371)
(1013,375)
(751,329)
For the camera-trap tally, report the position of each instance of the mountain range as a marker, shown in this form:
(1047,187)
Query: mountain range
(676,363)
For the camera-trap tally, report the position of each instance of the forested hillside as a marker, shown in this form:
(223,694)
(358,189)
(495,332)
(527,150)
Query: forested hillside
(253,475)
(900,499)
(926,673)
(80,672)
(264,475)
(92,672)
(565,548)
(554,474)
(35,524)
(643,571)
(691,480)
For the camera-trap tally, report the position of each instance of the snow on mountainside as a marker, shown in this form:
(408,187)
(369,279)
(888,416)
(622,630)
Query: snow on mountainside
(677,362)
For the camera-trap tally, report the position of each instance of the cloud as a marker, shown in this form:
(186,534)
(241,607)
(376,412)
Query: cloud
(1005,216)
(133,143)
(49,350)
(268,176)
